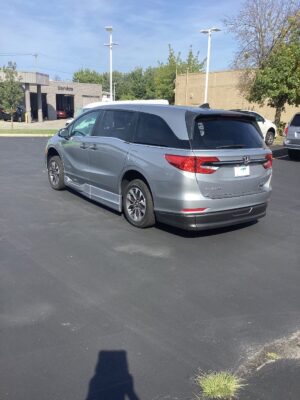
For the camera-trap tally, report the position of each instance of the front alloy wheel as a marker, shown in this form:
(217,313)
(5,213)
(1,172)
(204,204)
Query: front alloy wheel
(56,173)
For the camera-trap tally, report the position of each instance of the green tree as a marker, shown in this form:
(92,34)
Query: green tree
(277,82)
(10,90)
(165,74)
(154,82)
(87,75)
(150,83)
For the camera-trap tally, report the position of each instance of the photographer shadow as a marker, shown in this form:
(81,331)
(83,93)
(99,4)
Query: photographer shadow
(112,380)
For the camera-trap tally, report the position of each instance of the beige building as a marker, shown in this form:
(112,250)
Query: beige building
(223,93)
(43,97)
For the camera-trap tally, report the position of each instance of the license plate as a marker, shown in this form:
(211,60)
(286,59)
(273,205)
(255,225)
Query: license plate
(242,170)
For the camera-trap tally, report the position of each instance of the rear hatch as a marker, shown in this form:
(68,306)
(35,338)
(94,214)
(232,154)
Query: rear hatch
(294,130)
(231,155)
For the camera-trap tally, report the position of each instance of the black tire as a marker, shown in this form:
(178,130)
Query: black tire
(138,204)
(294,154)
(56,173)
(269,138)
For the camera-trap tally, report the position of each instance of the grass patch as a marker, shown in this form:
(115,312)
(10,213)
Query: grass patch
(32,132)
(271,356)
(219,385)
(278,140)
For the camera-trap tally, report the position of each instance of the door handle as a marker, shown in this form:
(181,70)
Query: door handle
(93,147)
(83,146)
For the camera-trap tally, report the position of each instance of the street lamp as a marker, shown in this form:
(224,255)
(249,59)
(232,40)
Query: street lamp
(115,91)
(208,31)
(110,45)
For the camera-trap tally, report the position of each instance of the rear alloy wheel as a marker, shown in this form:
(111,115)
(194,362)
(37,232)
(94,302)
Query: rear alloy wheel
(56,173)
(138,204)
(269,138)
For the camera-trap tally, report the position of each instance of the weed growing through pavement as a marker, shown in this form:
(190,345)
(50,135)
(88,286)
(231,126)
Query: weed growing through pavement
(219,385)
(271,356)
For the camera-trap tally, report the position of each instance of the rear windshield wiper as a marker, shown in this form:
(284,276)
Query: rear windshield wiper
(231,146)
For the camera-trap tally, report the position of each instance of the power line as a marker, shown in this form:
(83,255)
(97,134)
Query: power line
(18,54)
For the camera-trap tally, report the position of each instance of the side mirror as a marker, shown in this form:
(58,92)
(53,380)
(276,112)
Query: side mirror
(64,133)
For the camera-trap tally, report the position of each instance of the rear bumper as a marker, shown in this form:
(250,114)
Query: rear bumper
(292,144)
(198,222)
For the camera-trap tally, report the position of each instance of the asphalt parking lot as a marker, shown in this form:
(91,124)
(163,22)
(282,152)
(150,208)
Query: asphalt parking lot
(95,309)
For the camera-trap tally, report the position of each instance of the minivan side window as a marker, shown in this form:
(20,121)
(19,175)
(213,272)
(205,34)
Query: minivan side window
(84,125)
(153,130)
(117,124)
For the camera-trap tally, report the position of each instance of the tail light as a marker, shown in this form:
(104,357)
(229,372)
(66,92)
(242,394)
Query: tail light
(269,161)
(286,130)
(198,165)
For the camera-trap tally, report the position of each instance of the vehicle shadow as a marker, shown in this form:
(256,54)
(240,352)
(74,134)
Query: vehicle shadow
(78,194)
(111,380)
(168,228)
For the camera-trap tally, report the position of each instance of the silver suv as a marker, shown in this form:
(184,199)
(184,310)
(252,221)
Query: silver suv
(188,167)
(292,137)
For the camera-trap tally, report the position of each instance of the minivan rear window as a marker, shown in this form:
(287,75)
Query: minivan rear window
(224,133)
(296,120)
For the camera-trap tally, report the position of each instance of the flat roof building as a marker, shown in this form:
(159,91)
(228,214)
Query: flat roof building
(43,98)
(223,93)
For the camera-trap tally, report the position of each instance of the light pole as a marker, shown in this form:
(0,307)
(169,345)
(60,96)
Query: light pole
(115,91)
(208,31)
(110,45)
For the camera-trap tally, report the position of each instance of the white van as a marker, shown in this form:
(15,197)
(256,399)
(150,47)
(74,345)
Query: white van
(118,102)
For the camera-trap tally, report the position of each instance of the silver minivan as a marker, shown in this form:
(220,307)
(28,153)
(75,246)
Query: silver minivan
(188,167)
(292,137)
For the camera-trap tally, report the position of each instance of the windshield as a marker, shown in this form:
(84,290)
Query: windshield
(225,133)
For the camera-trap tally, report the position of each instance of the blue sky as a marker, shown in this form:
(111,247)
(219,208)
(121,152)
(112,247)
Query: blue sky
(69,35)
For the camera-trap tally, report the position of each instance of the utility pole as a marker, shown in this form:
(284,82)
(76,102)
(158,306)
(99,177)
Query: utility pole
(208,31)
(110,45)
(115,91)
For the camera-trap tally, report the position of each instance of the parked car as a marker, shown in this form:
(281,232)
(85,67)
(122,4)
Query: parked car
(61,114)
(188,167)
(267,127)
(18,116)
(292,137)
